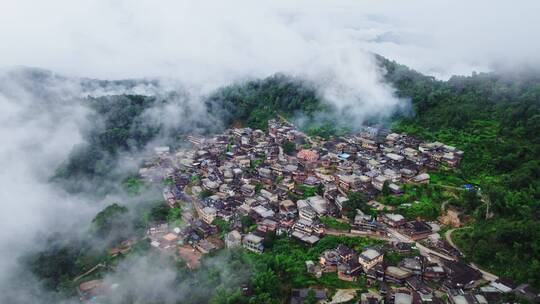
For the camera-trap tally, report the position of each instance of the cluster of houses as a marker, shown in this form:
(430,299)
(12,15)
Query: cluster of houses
(250,174)
(247,173)
(412,279)
(348,263)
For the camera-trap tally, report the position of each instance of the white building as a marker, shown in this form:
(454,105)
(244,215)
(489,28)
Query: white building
(253,243)
(369,258)
(305,211)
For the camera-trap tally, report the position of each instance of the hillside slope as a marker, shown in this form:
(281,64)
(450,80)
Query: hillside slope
(495,119)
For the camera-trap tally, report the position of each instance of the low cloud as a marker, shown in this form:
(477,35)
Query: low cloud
(150,278)
(38,128)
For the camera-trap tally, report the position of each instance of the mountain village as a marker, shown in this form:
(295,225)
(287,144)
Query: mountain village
(285,183)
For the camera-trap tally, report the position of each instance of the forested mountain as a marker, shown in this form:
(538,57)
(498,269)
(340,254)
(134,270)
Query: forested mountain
(495,119)
(255,102)
(117,126)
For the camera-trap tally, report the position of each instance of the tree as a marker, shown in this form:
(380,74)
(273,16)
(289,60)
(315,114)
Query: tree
(159,212)
(113,217)
(258,187)
(133,185)
(227,296)
(223,225)
(247,222)
(311,297)
(116,127)
(355,200)
(205,193)
(386,188)
(491,117)
(167,181)
(174,214)
(471,201)
(288,147)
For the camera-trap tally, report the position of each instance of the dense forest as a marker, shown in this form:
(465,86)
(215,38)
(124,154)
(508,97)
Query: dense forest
(494,118)
(116,126)
(255,102)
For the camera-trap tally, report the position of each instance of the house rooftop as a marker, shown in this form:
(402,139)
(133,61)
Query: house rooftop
(169,237)
(421,177)
(402,298)
(397,272)
(234,236)
(370,254)
(344,250)
(394,217)
(253,238)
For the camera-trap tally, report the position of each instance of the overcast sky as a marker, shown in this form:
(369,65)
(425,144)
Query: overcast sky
(217,40)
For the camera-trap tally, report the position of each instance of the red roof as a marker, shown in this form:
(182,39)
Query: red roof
(308,155)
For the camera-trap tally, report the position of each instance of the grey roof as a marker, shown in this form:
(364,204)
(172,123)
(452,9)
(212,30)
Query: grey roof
(403,298)
(370,254)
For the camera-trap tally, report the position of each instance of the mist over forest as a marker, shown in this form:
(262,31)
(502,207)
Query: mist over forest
(88,90)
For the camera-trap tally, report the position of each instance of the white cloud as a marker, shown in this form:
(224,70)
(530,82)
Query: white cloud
(214,41)
(37,133)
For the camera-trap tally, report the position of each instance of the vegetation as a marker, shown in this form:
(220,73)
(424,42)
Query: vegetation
(133,185)
(502,242)
(311,297)
(419,201)
(195,179)
(111,219)
(420,209)
(325,128)
(282,266)
(117,127)
(223,225)
(255,102)
(206,193)
(394,257)
(307,191)
(66,257)
(311,190)
(355,201)
(159,212)
(288,147)
(61,261)
(258,187)
(174,215)
(254,164)
(168,181)
(332,222)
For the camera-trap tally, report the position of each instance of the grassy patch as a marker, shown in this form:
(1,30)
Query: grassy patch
(332,281)
(332,222)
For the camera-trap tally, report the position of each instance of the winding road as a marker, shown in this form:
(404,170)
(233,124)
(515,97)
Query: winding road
(487,275)
(423,249)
